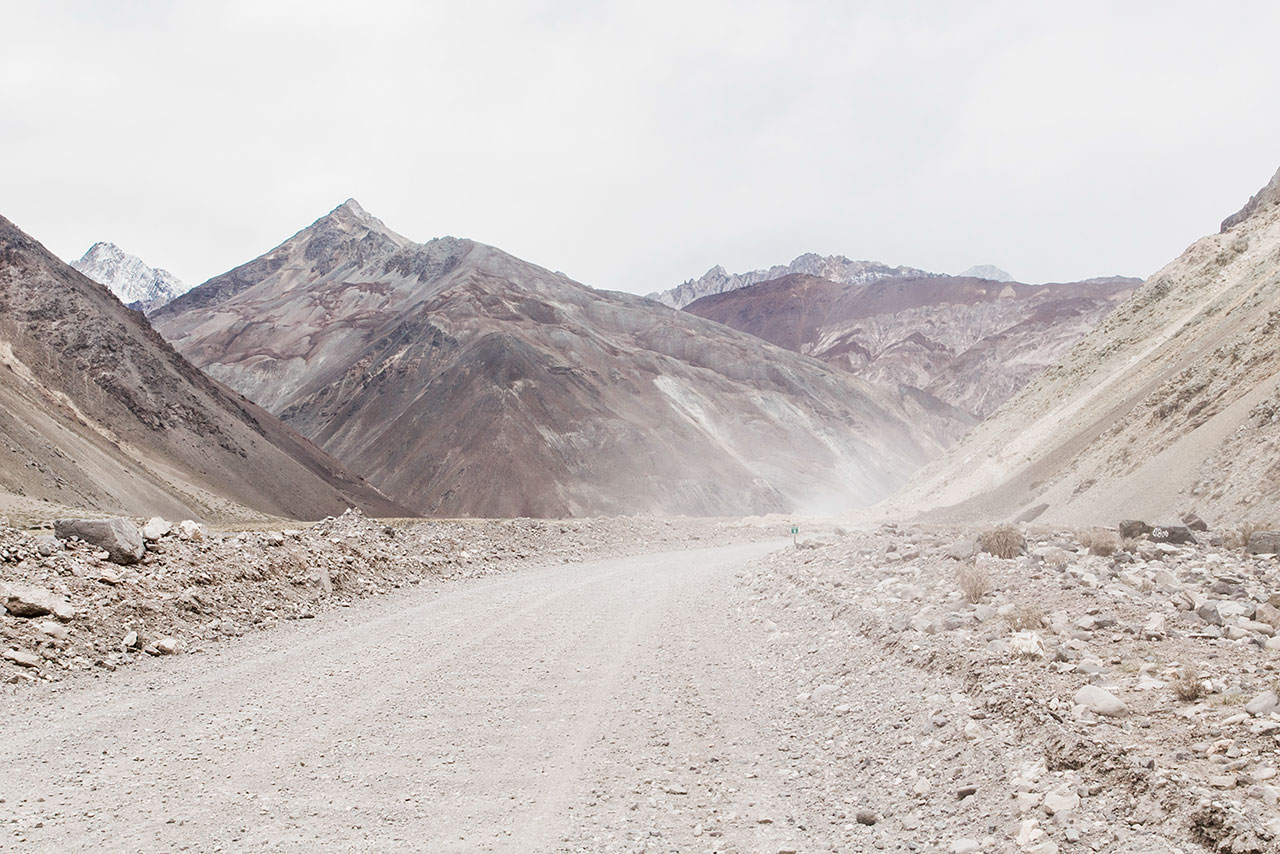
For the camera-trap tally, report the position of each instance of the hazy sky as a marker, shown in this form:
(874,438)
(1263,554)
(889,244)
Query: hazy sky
(633,145)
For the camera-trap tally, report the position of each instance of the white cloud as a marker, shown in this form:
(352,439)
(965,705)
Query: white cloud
(635,144)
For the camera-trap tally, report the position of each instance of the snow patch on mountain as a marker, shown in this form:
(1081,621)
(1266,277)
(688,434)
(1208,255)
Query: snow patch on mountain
(836,268)
(990,272)
(136,284)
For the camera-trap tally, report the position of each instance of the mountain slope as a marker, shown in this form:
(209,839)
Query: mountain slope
(136,284)
(462,380)
(836,268)
(1171,405)
(97,412)
(970,342)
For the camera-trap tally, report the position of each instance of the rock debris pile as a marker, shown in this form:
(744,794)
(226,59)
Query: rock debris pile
(1114,696)
(100,593)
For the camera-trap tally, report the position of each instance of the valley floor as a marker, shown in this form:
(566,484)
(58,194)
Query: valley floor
(715,694)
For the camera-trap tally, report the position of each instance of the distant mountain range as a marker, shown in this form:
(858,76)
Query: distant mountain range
(835,268)
(135,283)
(970,342)
(464,381)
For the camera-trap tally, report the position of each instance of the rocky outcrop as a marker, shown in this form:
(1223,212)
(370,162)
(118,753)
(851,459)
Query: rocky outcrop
(1264,200)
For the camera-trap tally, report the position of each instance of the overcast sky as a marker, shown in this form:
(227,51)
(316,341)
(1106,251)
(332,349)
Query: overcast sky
(633,145)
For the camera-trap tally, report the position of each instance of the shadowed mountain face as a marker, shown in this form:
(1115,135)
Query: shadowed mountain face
(98,412)
(970,342)
(464,381)
(1171,405)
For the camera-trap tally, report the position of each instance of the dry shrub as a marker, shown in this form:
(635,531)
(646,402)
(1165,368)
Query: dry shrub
(975,582)
(1100,541)
(1025,618)
(1189,685)
(1239,538)
(1004,541)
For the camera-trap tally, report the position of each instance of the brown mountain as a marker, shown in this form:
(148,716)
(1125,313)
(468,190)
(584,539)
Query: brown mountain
(462,380)
(98,413)
(1171,405)
(970,342)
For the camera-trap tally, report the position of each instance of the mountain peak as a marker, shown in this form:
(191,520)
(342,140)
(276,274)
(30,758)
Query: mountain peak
(990,272)
(134,282)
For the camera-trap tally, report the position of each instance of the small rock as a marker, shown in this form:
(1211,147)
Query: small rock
(130,640)
(1263,704)
(1263,542)
(169,646)
(866,817)
(156,528)
(22,658)
(1208,611)
(962,550)
(47,546)
(1132,529)
(194,531)
(1026,645)
(1061,801)
(274,538)
(964,845)
(23,600)
(1101,702)
(57,631)
(1194,522)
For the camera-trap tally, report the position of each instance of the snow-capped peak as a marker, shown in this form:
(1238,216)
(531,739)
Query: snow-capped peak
(134,282)
(989,272)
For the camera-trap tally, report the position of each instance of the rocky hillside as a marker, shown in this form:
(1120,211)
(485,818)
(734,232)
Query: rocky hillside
(971,342)
(1171,405)
(97,412)
(131,279)
(836,268)
(462,380)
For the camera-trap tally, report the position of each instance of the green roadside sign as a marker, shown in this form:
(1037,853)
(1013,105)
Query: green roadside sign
(795,529)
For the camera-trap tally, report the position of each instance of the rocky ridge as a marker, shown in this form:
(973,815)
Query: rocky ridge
(835,268)
(98,413)
(137,284)
(463,381)
(1169,406)
(972,343)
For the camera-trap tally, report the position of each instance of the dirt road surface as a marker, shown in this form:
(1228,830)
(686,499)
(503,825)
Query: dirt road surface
(478,717)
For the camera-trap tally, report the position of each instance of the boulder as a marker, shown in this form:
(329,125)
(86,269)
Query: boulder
(119,538)
(1101,702)
(1132,529)
(1263,542)
(962,550)
(23,600)
(155,529)
(47,546)
(194,531)
(1268,613)
(167,646)
(1178,535)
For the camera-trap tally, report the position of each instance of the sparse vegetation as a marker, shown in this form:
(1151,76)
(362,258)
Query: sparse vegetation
(1189,685)
(975,582)
(1025,618)
(1239,538)
(1100,541)
(1004,541)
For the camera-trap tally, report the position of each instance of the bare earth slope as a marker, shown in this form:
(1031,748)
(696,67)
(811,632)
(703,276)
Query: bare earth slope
(970,342)
(462,380)
(97,412)
(1170,405)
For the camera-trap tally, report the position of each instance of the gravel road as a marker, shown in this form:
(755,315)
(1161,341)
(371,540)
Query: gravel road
(481,716)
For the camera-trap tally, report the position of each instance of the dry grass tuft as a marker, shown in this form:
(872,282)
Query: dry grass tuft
(1100,541)
(1025,618)
(1189,685)
(1005,541)
(975,582)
